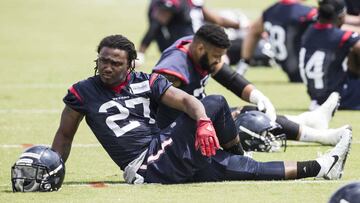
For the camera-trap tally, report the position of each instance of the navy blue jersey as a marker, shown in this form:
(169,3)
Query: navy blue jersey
(176,61)
(285,23)
(323,59)
(122,119)
(353,7)
(180,24)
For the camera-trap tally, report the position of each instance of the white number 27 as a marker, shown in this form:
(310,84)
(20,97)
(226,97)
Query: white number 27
(124,113)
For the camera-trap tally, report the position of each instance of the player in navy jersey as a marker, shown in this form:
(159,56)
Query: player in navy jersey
(171,19)
(323,57)
(119,106)
(190,62)
(285,22)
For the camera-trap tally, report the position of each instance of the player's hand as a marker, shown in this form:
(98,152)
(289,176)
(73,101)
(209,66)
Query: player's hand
(140,61)
(206,138)
(263,104)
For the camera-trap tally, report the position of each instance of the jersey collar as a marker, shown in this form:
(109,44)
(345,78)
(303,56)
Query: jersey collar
(289,1)
(119,87)
(321,26)
(181,46)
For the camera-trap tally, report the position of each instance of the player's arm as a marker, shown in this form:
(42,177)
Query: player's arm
(69,124)
(176,82)
(352,20)
(205,136)
(354,59)
(251,39)
(237,84)
(213,17)
(180,100)
(153,29)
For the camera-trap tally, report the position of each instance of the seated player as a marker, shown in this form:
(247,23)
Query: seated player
(190,62)
(119,106)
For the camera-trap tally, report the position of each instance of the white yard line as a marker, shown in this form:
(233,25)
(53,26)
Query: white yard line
(35,86)
(30,111)
(28,145)
(289,182)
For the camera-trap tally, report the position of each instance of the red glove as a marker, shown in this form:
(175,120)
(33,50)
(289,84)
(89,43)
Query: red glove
(206,138)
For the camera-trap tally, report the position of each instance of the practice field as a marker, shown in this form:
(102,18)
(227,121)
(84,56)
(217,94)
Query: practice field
(45,46)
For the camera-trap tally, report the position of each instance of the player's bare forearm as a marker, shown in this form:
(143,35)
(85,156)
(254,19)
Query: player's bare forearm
(251,39)
(180,100)
(64,136)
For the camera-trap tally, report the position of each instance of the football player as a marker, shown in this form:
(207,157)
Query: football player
(329,57)
(170,20)
(119,105)
(284,22)
(190,62)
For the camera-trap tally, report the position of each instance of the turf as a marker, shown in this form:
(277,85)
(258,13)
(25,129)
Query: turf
(48,45)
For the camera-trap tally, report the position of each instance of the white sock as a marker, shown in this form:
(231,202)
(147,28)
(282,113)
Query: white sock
(327,137)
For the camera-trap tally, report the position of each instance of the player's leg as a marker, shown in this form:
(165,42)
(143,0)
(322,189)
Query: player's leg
(172,157)
(320,117)
(225,166)
(218,111)
(350,96)
(294,131)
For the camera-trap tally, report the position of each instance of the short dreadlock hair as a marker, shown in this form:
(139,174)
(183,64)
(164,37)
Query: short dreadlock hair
(213,34)
(119,42)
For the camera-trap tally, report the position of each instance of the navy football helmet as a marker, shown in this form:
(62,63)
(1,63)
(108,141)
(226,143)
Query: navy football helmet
(257,132)
(349,193)
(39,169)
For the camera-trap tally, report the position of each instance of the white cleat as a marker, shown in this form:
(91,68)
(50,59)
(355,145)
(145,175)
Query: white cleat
(332,163)
(333,136)
(321,116)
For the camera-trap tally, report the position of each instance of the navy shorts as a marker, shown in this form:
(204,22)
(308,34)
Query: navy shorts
(172,157)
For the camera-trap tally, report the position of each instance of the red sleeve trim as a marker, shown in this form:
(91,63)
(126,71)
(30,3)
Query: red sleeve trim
(170,72)
(311,14)
(345,37)
(73,90)
(153,78)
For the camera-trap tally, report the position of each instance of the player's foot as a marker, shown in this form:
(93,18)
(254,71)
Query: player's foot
(332,136)
(332,163)
(320,117)
(248,154)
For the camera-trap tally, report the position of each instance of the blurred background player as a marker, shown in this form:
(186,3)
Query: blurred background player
(170,20)
(190,62)
(324,65)
(284,22)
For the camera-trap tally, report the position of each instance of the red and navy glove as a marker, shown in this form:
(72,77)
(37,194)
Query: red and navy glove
(206,138)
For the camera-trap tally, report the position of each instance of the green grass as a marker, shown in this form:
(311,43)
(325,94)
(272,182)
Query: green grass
(45,46)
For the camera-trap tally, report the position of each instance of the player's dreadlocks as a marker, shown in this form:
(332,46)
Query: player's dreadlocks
(119,42)
(214,35)
(329,10)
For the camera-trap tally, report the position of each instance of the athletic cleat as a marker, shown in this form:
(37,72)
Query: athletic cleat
(332,163)
(321,116)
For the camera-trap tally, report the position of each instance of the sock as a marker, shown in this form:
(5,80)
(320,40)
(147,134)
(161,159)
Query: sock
(308,169)
(288,127)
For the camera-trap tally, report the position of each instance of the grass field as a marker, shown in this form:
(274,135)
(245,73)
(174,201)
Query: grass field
(45,46)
